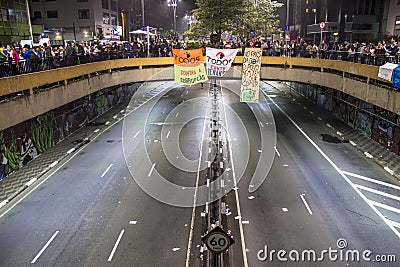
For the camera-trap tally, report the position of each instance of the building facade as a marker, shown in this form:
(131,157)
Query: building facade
(14,23)
(82,20)
(393,21)
(344,20)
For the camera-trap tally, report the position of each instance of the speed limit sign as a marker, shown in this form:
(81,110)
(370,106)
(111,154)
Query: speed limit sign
(217,240)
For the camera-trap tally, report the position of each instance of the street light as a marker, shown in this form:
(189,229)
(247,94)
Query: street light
(174,4)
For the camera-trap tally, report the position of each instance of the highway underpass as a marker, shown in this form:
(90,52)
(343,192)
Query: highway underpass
(317,195)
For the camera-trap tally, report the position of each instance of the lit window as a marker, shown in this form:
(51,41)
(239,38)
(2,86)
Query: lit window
(307,10)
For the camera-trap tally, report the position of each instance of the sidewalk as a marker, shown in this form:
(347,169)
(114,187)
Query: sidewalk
(368,147)
(24,177)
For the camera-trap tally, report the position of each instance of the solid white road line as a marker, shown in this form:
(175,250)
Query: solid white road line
(395,224)
(378,192)
(151,170)
(395,231)
(191,231)
(137,133)
(305,203)
(169,132)
(371,180)
(45,246)
(277,152)
(116,245)
(384,206)
(108,168)
(243,243)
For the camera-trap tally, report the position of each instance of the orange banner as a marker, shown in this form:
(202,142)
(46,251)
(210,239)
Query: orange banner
(192,56)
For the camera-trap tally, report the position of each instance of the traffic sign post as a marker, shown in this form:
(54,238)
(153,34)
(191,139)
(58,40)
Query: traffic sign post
(217,240)
(322,26)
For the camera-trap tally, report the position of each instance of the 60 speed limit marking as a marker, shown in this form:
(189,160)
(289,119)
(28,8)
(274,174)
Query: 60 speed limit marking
(217,240)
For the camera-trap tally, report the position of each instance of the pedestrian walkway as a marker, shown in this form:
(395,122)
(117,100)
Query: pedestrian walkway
(371,149)
(24,177)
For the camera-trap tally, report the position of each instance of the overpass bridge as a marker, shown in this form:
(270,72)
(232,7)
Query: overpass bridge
(29,95)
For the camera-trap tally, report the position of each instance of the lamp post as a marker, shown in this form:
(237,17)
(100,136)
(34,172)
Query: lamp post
(174,4)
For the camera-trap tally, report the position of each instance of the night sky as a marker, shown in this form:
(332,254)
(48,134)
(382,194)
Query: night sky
(159,14)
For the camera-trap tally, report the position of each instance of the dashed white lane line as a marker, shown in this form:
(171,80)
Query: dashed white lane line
(352,143)
(368,155)
(31,181)
(303,198)
(328,125)
(384,206)
(53,164)
(277,152)
(389,170)
(116,245)
(262,125)
(105,172)
(107,123)
(45,247)
(71,150)
(96,131)
(151,170)
(137,133)
(177,114)
(339,133)
(169,132)
(114,117)
(378,192)
(371,180)
(319,118)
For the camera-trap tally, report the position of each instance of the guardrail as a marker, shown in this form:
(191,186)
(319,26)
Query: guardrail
(26,83)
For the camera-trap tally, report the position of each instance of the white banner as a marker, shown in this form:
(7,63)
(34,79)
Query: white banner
(251,75)
(386,71)
(219,61)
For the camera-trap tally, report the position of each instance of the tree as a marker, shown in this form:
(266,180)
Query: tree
(243,17)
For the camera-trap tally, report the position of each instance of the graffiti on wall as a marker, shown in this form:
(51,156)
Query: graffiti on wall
(25,141)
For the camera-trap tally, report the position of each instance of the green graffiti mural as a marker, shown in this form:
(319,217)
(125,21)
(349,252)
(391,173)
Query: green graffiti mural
(11,153)
(42,132)
(101,103)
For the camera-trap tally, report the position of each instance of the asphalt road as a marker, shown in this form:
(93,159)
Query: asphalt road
(91,212)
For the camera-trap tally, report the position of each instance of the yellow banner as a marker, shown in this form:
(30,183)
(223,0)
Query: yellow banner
(190,75)
(251,75)
(193,56)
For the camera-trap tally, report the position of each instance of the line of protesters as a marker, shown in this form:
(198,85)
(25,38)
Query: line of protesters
(20,60)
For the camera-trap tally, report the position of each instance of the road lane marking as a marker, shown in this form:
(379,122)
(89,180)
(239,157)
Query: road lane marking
(395,224)
(352,143)
(384,206)
(177,114)
(53,164)
(371,180)
(262,125)
(31,181)
(133,222)
(45,247)
(302,196)
(277,152)
(96,131)
(105,172)
(368,155)
(43,180)
(151,170)
(389,170)
(285,209)
(191,231)
(339,133)
(169,132)
(137,133)
(362,196)
(116,245)
(71,150)
(378,192)
(243,243)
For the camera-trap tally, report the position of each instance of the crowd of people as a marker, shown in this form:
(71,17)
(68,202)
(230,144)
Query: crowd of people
(16,60)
